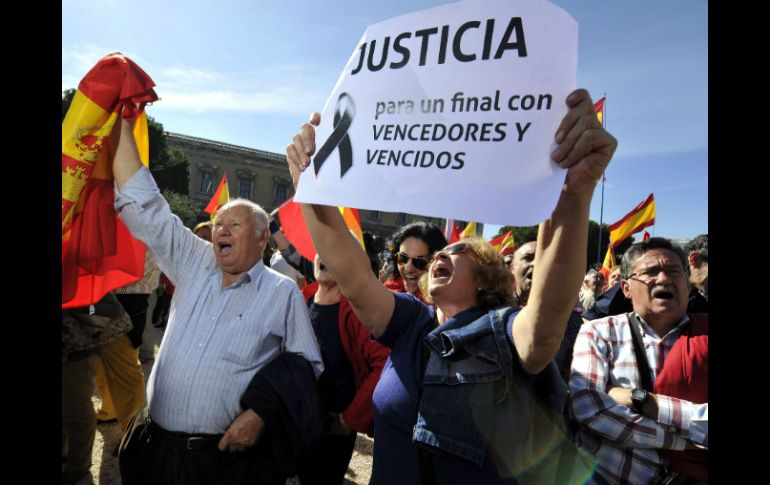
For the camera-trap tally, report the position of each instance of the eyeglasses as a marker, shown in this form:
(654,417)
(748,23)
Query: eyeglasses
(418,262)
(649,274)
(454,249)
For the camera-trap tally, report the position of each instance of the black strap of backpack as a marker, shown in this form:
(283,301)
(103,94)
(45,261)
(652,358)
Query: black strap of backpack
(641,357)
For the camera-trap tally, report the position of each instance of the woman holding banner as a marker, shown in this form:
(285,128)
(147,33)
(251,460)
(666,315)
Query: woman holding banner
(470,392)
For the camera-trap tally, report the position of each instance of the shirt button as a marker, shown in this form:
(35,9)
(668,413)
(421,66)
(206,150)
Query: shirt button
(213,318)
(200,344)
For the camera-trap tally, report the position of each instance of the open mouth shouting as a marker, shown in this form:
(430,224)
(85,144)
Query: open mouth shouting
(663,292)
(441,272)
(225,248)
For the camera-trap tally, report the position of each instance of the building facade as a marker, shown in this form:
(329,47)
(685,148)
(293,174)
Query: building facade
(263,177)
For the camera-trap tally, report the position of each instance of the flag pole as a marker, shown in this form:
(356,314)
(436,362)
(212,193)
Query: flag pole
(601,211)
(601,219)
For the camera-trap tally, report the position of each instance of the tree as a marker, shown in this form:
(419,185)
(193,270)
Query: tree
(183,206)
(522,235)
(66,101)
(593,236)
(169,167)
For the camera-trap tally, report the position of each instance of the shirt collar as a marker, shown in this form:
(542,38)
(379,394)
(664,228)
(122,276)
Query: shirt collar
(677,328)
(250,276)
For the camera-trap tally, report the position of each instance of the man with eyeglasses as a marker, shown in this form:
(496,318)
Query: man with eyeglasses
(645,419)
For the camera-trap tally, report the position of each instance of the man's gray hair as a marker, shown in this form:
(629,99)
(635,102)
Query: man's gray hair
(638,249)
(699,244)
(257,212)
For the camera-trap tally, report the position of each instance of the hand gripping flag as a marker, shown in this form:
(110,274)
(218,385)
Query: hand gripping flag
(294,227)
(98,253)
(641,216)
(220,198)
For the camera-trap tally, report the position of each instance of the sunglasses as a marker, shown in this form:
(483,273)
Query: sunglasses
(418,262)
(454,249)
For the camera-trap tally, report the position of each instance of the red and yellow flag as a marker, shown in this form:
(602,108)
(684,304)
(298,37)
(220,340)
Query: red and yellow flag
(456,234)
(599,108)
(353,221)
(643,215)
(609,262)
(98,253)
(469,231)
(220,198)
(504,243)
(295,230)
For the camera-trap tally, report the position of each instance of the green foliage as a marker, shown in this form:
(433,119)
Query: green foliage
(169,167)
(183,206)
(523,235)
(66,101)
(593,237)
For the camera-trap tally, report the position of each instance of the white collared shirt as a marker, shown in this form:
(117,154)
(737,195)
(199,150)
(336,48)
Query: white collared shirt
(216,338)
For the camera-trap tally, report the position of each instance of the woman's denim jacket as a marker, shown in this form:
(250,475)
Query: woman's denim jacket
(475,398)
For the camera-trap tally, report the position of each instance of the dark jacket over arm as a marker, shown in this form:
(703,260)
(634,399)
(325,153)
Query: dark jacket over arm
(285,395)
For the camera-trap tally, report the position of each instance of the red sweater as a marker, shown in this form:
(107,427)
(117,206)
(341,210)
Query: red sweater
(396,285)
(366,357)
(685,375)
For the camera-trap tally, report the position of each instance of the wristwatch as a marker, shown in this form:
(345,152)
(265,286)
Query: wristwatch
(638,398)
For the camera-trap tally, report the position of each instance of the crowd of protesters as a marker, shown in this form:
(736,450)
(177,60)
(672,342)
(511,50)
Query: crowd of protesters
(463,365)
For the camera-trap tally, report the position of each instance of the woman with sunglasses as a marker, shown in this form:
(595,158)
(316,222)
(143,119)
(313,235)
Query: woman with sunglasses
(414,244)
(453,404)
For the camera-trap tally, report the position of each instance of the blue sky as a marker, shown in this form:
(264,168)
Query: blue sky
(249,73)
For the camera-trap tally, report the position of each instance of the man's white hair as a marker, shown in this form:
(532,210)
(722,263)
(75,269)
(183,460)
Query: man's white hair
(258,214)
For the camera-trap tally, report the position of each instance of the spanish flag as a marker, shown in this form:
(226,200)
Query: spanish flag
(98,253)
(599,108)
(294,227)
(353,221)
(504,243)
(469,231)
(643,215)
(609,262)
(455,232)
(220,198)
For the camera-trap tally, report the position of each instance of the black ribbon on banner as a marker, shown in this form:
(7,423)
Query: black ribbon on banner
(339,138)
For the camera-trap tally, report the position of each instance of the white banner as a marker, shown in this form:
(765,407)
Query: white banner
(450,112)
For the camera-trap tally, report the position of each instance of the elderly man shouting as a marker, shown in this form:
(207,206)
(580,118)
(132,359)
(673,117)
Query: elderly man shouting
(230,317)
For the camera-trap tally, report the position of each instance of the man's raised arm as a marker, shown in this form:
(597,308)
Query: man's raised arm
(125,161)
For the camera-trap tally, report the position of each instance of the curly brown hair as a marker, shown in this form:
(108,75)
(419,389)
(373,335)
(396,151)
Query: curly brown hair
(494,281)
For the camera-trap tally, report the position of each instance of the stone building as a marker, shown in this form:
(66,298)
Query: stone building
(262,177)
